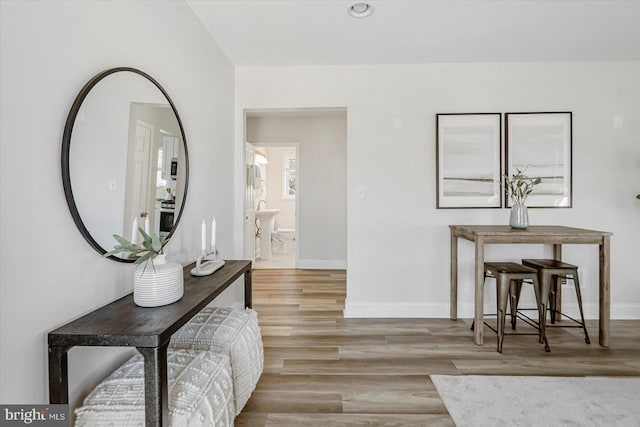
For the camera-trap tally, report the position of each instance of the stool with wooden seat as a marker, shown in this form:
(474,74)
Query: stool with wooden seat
(550,274)
(508,275)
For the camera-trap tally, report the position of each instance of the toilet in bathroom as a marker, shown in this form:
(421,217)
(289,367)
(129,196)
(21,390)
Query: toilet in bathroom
(283,240)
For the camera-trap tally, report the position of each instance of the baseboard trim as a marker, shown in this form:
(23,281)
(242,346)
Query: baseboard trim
(424,310)
(322,264)
(396,310)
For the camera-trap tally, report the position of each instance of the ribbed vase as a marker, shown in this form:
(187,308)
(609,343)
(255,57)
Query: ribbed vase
(157,283)
(519,217)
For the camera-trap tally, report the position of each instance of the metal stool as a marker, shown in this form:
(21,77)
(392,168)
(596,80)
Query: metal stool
(509,277)
(550,274)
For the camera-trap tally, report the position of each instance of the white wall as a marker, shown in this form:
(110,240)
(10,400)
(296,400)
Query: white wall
(398,242)
(49,274)
(322,182)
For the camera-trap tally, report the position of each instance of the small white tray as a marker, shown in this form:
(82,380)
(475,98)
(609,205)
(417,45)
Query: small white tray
(207,268)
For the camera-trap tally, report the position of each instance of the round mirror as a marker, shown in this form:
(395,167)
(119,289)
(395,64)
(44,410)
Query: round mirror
(124,159)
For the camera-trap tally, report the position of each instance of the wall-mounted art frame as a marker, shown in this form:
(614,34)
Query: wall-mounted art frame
(541,144)
(468,160)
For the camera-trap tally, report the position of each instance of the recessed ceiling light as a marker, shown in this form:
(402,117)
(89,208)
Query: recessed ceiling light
(360,10)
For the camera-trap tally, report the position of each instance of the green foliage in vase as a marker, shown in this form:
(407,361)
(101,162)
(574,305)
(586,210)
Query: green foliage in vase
(151,247)
(519,186)
(638,196)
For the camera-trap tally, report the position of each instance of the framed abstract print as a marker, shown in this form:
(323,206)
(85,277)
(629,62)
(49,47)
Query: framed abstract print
(540,145)
(468,155)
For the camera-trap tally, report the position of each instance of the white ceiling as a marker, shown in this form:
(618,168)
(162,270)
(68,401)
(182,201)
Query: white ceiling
(320,32)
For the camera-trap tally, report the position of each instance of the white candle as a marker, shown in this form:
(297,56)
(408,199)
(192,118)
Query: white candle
(213,234)
(203,237)
(134,231)
(146,224)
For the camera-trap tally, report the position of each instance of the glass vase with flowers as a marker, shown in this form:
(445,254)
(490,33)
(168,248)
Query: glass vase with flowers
(519,186)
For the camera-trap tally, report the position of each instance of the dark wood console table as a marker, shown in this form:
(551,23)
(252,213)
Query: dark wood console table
(554,235)
(149,330)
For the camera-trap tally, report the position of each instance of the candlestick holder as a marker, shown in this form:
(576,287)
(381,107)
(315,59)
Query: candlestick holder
(207,263)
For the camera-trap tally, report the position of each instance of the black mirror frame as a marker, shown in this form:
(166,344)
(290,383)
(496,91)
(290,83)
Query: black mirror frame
(66,147)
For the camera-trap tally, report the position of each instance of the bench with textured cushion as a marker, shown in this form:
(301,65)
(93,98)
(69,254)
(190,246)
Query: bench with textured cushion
(200,393)
(233,332)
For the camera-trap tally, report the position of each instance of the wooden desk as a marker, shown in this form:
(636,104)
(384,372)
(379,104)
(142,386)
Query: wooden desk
(544,234)
(149,330)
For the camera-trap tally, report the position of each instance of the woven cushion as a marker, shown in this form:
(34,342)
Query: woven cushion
(200,393)
(232,332)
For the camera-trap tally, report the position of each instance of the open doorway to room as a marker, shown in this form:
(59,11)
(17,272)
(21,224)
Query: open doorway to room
(275,197)
(296,192)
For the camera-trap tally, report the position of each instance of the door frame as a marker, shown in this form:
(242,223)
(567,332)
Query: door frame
(249,249)
(295,145)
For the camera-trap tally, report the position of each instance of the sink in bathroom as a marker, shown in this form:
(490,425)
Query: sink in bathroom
(266,214)
(266,225)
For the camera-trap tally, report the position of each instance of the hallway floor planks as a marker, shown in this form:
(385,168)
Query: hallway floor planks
(324,370)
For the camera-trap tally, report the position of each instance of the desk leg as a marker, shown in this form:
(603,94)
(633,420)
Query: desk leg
(58,374)
(557,255)
(248,289)
(453,259)
(156,400)
(478,331)
(605,298)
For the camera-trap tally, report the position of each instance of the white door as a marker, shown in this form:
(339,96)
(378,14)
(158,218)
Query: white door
(138,176)
(249,203)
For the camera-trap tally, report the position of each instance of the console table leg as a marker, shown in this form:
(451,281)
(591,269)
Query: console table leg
(58,374)
(248,289)
(156,394)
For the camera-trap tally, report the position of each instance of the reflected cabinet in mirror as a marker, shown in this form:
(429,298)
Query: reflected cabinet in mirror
(124,159)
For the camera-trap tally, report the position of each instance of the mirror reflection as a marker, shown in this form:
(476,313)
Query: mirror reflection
(127,161)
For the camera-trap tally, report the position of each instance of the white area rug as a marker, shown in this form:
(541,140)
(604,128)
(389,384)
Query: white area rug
(476,401)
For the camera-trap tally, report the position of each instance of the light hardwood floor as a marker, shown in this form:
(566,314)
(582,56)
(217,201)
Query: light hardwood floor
(324,370)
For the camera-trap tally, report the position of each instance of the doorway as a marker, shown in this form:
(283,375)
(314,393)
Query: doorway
(276,192)
(311,178)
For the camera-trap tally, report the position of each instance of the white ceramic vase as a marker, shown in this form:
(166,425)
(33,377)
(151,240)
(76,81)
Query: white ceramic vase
(519,218)
(158,282)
